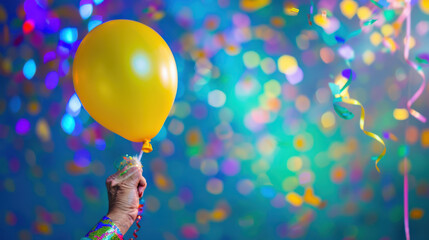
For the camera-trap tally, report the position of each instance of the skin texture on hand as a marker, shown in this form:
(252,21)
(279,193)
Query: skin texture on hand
(124,189)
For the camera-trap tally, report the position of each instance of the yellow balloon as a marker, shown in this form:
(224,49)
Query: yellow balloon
(126,78)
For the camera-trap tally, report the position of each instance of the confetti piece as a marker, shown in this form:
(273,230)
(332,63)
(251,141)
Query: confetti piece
(389,135)
(340,39)
(311,199)
(294,199)
(423,58)
(294,10)
(370,22)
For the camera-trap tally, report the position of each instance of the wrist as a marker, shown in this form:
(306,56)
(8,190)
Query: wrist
(122,221)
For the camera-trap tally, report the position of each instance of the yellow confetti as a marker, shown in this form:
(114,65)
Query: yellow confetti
(310,198)
(294,199)
(294,10)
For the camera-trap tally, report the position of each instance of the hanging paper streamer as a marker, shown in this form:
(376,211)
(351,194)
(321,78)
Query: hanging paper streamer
(406,221)
(139,217)
(406,14)
(346,114)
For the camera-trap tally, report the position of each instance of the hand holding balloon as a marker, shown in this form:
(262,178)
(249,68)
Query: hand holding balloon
(124,189)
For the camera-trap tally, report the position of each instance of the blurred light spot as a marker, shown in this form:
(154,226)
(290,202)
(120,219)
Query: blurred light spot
(245,186)
(189,231)
(11,218)
(251,59)
(287,64)
(268,65)
(294,199)
(294,164)
(98,1)
(230,167)
(303,142)
(68,35)
(42,130)
(327,55)
(209,167)
(364,13)
(85,10)
(272,88)
(376,38)
(387,30)
(346,52)
(28,26)
(216,98)
(74,106)
(400,113)
(214,186)
(267,192)
(43,228)
(302,103)
(338,174)
(68,123)
(266,145)
(411,134)
(306,177)
(176,127)
(100,144)
(411,42)
(328,120)
(348,8)
(321,20)
(368,57)
(295,77)
(425,138)
(51,80)
(422,27)
(29,69)
(416,213)
(94,23)
(290,183)
(82,158)
(22,126)
(140,64)
(152,203)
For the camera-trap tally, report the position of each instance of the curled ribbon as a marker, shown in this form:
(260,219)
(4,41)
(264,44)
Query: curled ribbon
(346,114)
(406,15)
(139,217)
(362,124)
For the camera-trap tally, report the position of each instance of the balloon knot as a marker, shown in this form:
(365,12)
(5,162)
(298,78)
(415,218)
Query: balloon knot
(147,147)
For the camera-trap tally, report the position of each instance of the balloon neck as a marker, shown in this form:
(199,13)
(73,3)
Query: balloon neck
(147,147)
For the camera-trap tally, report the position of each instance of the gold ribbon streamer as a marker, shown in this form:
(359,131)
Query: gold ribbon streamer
(362,124)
